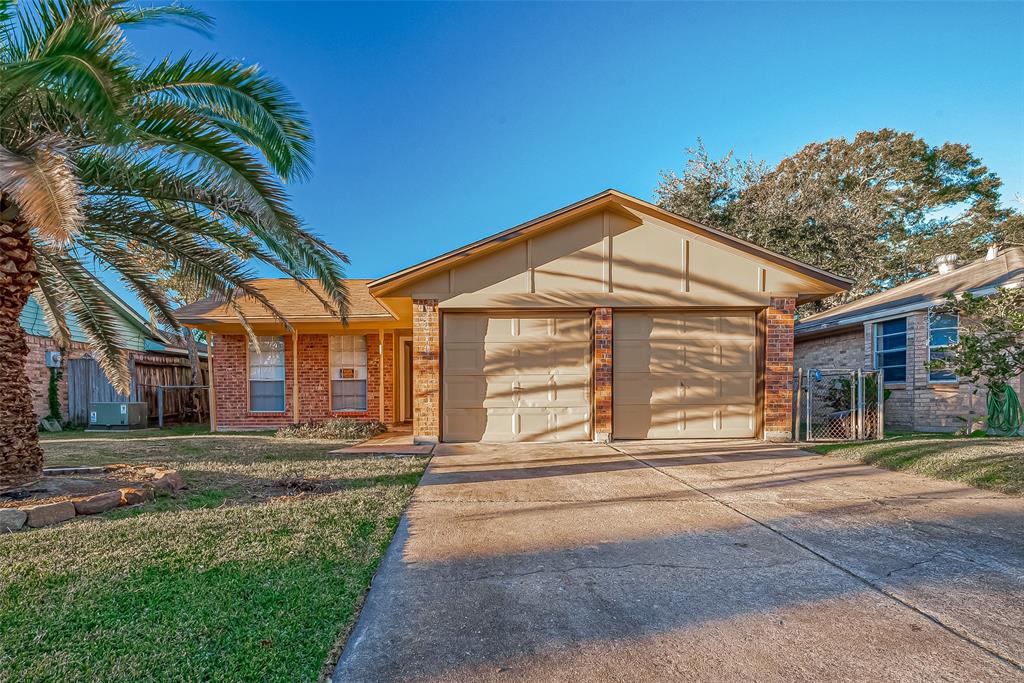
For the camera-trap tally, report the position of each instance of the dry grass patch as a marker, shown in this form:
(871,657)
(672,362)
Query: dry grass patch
(250,573)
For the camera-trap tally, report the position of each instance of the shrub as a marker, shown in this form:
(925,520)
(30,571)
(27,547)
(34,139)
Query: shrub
(339,429)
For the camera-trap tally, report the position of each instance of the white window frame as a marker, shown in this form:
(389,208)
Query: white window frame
(940,347)
(257,365)
(348,353)
(877,336)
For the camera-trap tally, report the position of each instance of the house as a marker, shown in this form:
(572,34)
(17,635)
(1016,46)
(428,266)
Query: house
(608,318)
(82,380)
(899,331)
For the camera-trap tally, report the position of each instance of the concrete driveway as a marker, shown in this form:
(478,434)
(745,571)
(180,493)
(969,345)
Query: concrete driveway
(691,561)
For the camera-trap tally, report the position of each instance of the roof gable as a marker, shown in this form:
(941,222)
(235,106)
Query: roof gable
(611,201)
(614,250)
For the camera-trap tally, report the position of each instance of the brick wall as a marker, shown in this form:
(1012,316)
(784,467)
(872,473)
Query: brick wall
(389,378)
(231,382)
(843,350)
(426,371)
(917,404)
(778,376)
(602,374)
(39,374)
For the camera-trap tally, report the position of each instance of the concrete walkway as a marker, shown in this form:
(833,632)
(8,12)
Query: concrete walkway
(691,561)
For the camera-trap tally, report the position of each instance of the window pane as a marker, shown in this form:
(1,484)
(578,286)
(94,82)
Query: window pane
(893,359)
(896,374)
(943,330)
(348,372)
(266,359)
(266,396)
(940,375)
(891,349)
(893,326)
(348,395)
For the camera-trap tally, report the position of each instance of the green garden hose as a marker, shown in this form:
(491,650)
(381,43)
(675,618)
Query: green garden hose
(1005,413)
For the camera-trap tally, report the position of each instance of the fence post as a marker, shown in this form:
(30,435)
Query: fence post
(861,404)
(160,405)
(807,406)
(880,378)
(799,388)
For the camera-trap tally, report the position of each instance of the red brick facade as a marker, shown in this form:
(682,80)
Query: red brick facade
(426,371)
(231,378)
(602,374)
(778,369)
(230,363)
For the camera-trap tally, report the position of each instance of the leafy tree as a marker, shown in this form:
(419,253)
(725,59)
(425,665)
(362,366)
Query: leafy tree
(877,208)
(990,351)
(102,156)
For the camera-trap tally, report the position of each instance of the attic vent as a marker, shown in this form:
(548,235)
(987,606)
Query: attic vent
(946,263)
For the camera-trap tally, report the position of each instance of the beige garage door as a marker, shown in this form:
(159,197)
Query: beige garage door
(683,375)
(520,377)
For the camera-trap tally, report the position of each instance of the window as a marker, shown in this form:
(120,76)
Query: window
(942,331)
(266,375)
(891,349)
(348,373)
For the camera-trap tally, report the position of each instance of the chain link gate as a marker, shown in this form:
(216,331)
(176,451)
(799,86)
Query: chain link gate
(839,404)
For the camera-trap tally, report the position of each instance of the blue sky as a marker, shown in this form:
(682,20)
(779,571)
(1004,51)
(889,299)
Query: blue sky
(437,124)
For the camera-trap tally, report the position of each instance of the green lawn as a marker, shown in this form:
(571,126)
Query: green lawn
(252,573)
(990,463)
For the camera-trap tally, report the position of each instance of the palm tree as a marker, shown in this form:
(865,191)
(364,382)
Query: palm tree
(103,158)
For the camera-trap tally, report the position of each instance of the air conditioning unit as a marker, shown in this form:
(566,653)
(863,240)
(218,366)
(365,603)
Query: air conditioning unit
(53,359)
(118,415)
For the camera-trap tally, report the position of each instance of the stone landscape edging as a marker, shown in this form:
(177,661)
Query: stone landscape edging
(48,514)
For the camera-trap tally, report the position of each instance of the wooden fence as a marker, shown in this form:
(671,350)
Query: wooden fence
(88,384)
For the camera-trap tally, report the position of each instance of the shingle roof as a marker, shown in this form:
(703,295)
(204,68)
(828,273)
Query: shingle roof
(293,300)
(979,275)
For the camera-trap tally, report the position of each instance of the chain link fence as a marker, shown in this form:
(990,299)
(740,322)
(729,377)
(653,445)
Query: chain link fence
(838,404)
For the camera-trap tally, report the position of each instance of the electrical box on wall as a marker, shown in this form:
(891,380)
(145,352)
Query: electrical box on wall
(53,359)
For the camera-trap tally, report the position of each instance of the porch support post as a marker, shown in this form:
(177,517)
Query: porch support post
(210,337)
(380,374)
(295,376)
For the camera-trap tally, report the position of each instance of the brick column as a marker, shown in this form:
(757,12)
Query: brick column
(778,369)
(426,371)
(602,374)
(389,379)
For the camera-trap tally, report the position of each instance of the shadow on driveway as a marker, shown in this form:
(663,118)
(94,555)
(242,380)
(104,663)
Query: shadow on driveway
(713,560)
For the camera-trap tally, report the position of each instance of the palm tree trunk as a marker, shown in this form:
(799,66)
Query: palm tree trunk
(21,458)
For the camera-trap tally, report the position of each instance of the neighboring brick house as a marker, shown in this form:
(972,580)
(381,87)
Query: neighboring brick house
(898,330)
(608,318)
(139,340)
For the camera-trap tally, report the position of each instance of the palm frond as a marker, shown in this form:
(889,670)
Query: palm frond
(240,100)
(176,15)
(47,296)
(75,55)
(179,166)
(136,274)
(46,191)
(81,295)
